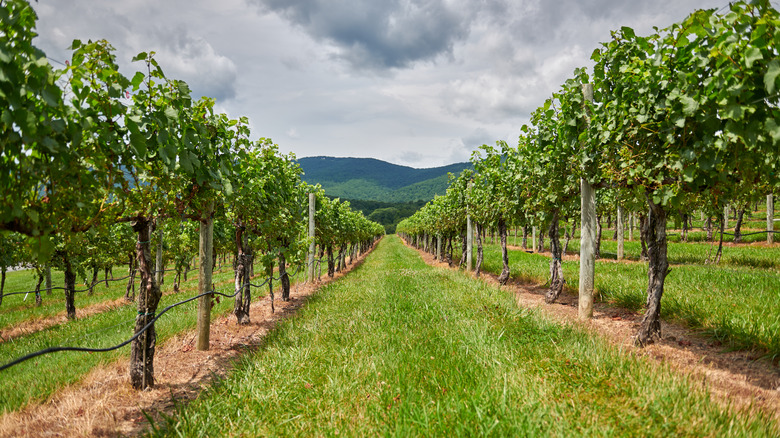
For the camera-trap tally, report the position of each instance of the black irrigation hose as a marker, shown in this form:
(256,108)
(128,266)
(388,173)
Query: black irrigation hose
(99,350)
(137,334)
(59,287)
(276,278)
(750,234)
(97,283)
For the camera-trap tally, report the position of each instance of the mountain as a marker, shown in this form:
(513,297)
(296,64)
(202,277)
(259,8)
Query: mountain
(375,180)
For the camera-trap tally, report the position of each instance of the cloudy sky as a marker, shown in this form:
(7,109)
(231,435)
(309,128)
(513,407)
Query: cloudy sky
(420,83)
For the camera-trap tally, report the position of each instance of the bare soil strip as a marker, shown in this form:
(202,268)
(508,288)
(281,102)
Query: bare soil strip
(104,404)
(739,380)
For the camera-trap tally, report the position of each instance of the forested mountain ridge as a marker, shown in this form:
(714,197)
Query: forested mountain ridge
(375,180)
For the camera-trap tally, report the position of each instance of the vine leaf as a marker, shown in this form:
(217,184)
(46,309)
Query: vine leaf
(771,74)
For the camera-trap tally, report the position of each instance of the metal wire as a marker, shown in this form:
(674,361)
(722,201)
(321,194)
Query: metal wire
(140,332)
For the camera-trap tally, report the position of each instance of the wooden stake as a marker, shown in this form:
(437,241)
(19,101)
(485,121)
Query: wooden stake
(770,218)
(587,237)
(620,232)
(469,243)
(204,279)
(312,210)
(158,267)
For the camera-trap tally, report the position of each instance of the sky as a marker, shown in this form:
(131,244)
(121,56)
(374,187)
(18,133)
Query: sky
(420,83)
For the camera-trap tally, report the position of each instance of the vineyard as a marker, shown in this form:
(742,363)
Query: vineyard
(669,127)
(135,215)
(98,169)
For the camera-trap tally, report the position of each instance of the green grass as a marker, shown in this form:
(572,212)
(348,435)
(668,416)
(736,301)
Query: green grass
(38,378)
(747,256)
(399,348)
(733,302)
(16,308)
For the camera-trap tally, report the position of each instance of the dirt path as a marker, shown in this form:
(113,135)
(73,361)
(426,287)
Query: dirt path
(104,404)
(735,379)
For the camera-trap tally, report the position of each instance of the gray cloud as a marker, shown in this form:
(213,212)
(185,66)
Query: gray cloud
(416,82)
(133,27)
(194,60)
(379,35)
(477,138)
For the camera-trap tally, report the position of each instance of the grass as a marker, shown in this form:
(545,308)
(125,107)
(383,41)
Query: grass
(399,348)
(17,308)
(734,256)
(38,378)
(734,302)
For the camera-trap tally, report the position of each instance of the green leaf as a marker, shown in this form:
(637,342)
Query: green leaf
(50,96)
(689,104)
(772,71)
(185,162)
(773,129)
(734,111)
(707,161)
(137,79)
(139,57)
(4,56)
(171,113)
(752,55)
(138,141)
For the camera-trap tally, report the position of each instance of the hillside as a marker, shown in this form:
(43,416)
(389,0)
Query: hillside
(389,214)
(375,180)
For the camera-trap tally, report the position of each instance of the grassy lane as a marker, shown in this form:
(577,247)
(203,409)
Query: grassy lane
(38,378)
(737,305)
(399,348)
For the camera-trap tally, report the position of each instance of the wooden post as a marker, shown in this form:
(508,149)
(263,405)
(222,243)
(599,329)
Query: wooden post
(533,239)
(438,247)
(204,279)
(770,218)
(726,217)
(469,243)
(312,210)
(587,236)
(620,232)
(48,279)
(158,267)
